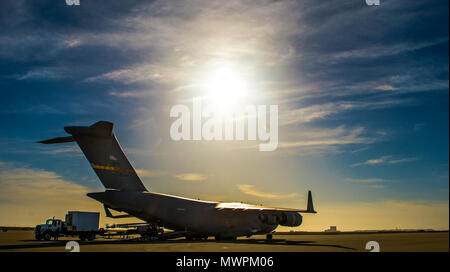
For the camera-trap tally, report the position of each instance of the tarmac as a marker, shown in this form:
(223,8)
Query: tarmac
(23,241)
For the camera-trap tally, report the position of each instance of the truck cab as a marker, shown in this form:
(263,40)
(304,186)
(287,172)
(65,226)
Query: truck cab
(51,228)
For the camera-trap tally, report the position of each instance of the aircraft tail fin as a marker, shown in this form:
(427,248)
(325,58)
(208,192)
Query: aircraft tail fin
(102,150)
(310,205)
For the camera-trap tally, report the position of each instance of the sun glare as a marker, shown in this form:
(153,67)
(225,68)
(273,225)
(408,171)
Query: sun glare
(225,88)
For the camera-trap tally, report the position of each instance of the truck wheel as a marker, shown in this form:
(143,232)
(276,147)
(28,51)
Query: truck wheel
(91,237)
(38,237)
(47,236)
(82,237)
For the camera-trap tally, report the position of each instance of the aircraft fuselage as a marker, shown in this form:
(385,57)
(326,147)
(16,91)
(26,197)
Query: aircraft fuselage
(184,214)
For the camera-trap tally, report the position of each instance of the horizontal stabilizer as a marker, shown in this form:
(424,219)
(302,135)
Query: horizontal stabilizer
(109,214)
(58,140)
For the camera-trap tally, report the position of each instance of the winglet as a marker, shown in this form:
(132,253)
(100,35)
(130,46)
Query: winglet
(310,207)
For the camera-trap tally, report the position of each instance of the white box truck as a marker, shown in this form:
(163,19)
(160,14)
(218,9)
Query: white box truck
(81,224)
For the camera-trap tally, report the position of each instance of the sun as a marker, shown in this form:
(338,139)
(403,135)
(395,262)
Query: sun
(225,88)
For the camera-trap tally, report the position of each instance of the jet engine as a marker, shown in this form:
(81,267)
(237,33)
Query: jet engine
(269,219)
(288,219)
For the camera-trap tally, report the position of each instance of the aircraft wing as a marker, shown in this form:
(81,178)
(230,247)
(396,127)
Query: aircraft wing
(236,206)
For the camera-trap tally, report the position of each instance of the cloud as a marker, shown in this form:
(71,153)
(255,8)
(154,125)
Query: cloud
(42,73)
(73,42)
(35,109)
(72,151)
(326,137)
(368,180)
(382,50)
(29,196)
(191,177)
(130,75)
(372,161)
(386,88)
(132,94)
(385,159)
(249,190)
(403,160)
(321,111)
(377,186)
(143,173)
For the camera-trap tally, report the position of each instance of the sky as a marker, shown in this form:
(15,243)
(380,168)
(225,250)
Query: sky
(362,94)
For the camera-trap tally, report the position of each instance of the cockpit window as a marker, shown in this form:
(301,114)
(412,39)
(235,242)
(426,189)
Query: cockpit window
(49,222)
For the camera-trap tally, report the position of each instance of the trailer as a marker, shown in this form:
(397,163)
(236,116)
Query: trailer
(85,225)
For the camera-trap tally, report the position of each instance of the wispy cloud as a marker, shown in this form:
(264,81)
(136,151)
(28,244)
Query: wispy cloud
(144,173)
(372,161)
(403,160)
(322,111)
(382,50)
(191,177)
(368,180)
(385,159)
(42,73)
(29,196)
(377,186)
(386,87)
(249,190)
(327,137)
(35,109)
(72,150)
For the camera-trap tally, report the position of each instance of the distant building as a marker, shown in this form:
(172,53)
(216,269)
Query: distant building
(331,229)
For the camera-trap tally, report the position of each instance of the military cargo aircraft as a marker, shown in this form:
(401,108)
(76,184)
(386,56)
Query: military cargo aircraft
(199,219)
